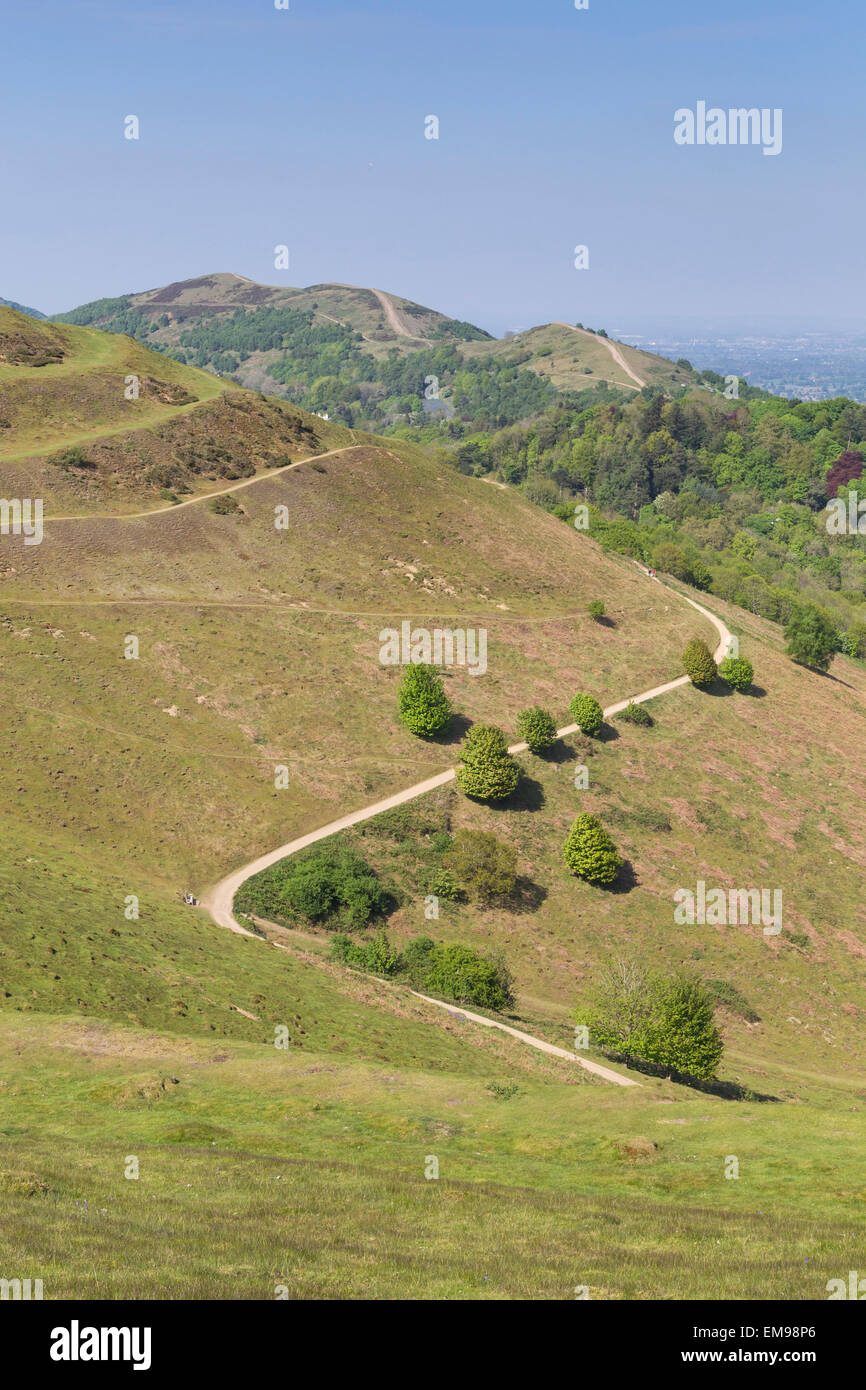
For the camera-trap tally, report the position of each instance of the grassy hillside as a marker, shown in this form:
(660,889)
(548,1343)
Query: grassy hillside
(140,778)
(91,419)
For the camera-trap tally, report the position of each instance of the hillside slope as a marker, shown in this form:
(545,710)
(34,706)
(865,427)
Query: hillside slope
(88,418)
(159,674)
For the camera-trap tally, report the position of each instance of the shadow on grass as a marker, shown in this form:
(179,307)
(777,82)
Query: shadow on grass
(528,795)
(725,1090)
(607,734)
(559,752)
(527,896)
(757,692)
(625,881)
(455,732)
(719,688)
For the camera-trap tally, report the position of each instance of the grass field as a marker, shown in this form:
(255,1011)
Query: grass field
(153,1035)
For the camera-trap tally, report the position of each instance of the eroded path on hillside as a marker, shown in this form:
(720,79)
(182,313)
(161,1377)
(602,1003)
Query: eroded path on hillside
(611,347)
(220,899)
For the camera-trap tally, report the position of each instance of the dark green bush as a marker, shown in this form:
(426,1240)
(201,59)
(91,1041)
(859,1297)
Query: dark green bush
(636,714)
(333,887)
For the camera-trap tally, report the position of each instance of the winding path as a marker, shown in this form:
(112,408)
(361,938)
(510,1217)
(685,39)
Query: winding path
(218,900)
(611,347)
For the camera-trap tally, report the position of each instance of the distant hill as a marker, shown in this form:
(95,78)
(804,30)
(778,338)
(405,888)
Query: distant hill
(22,308)
(371,358)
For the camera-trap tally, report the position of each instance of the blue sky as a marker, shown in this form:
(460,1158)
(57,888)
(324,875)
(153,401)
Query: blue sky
(306,127)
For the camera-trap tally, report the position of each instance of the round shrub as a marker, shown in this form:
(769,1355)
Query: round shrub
(487,771)
(424,707)
(698,663)
(596,609)
(589,851)
(636,714)
(586,713)
(537,728)
(737,672)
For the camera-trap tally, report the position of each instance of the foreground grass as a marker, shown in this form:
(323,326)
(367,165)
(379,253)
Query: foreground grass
(260,1168)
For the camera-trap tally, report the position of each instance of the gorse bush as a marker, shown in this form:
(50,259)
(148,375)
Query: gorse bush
(590,853)
(737,672)
(698,663)
(537,729)
(487,771)
(596,610)
(333,887)
(636,714)
(378,956)
(424,707)
(586,713)
(463,975)
(454,971)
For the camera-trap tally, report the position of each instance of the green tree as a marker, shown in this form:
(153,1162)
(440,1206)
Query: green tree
(596,610)
(684,1036)
(636,714)
(669,1022)
(620,1009)
(737,672)
(589,851)
(586,713)
(424,707)
(811,637)
(537,728)
(487,771)
(698,663)
(484,866)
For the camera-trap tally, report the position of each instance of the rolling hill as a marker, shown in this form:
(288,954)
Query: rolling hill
(131,1024)
(330,345)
